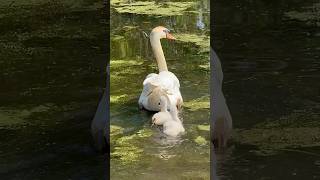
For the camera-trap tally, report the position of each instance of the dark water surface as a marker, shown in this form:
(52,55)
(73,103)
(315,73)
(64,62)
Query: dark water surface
(52,59)
(270,51)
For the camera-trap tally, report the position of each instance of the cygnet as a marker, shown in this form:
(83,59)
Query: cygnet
(172,125)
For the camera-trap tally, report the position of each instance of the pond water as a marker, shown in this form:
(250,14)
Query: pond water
(52,73)
(138,150)
(270,53)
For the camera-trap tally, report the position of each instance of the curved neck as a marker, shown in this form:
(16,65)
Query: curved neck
(158,52)
(164,106)
(174,113)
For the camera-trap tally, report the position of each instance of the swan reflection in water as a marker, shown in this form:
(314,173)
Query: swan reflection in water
(99,125)
(221,125)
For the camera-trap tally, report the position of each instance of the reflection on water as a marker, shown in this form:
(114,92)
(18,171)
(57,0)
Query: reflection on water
(52,59)
(138,150)
(270,56)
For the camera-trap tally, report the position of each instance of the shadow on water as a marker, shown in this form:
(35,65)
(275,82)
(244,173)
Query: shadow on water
(270,56)
(52,71)
(137,149)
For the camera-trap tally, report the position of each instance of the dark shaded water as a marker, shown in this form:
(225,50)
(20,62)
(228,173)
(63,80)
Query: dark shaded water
(270,56)
(52,59)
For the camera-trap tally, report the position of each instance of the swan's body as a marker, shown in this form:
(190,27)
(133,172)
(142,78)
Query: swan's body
(172,125)
(155,85)
(165,82)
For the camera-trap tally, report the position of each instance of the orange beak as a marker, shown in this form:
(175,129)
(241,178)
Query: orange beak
(169,36)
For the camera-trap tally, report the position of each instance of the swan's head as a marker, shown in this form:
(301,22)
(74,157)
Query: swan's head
(161,32)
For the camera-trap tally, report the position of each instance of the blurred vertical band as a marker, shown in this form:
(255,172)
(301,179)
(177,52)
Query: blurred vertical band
(100,124)
(221,120)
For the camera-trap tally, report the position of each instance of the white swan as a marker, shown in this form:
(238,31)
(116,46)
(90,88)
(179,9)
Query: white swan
(172,125)
(165,82)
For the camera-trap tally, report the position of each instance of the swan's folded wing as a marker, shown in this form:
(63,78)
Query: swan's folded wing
(150,78)
(148,88)
(151,75)
(168,80)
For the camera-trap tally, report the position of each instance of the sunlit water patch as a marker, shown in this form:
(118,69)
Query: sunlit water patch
(138,150)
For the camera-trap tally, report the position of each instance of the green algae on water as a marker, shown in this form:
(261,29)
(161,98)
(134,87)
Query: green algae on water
(277,138)
(197,104)
(151,7)
(129,28)
(203,127)
(13,117)
(296,118)
(310,15)
(126,148)
(120,70)
(117,38)
(205,67)
(115,130)
(145,133)
(127,154)
(123,68)
(197,174)
(200,140)
(72,5)
(118,99)
(202,41)
(121,63)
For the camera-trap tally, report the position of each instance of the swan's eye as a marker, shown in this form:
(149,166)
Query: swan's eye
(158,103)
(166,31)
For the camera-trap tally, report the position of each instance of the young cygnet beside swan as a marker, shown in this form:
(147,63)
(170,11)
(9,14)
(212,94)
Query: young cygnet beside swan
(172,126)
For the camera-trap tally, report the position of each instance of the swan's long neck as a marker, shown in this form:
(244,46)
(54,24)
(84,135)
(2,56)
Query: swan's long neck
(164,105)
(174,113)
(158,52)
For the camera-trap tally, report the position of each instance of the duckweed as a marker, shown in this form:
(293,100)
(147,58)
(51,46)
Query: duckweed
(151,7)
(12,117)
(310,15)
(202,41)
(115,130)
(144,133)
(118,99)
(277,138)
(117,38)
(204,127)
(127,154)
(114,64)
(200,140)
(197,104)
(205,66)
(125,148)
